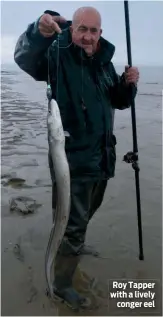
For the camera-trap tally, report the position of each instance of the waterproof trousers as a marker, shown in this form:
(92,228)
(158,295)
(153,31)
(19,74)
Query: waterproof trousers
(86,198)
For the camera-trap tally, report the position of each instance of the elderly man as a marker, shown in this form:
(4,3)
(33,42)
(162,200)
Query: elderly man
(88,90)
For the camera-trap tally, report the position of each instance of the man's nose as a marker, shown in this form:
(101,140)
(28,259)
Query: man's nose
(87,36)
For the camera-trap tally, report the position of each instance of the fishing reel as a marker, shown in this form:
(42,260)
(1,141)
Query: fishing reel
(132,157)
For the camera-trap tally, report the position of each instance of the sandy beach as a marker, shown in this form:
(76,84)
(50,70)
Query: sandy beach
(113,230)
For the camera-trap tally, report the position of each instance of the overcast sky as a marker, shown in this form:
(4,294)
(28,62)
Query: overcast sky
(146,19)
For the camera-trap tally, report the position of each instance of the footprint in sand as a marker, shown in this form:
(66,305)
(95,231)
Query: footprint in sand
(24,205)
(14,182)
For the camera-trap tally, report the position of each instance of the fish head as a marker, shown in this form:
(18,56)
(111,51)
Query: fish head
(54,113)
(54,122)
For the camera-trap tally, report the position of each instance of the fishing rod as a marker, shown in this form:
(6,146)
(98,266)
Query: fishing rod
(132,157)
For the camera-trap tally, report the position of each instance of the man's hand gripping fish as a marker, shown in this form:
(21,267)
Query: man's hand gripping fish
(62,175)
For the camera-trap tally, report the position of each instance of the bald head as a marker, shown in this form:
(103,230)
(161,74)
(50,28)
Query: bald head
(86,29)
(84,13)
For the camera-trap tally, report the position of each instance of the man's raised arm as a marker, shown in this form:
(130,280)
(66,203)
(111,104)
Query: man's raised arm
(31,48)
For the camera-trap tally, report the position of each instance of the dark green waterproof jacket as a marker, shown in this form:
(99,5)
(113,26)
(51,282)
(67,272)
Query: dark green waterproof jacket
(87,89)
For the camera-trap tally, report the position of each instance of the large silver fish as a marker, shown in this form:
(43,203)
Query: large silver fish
(62,175)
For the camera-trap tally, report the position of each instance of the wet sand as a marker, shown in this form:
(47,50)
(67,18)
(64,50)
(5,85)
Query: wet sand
(113,230)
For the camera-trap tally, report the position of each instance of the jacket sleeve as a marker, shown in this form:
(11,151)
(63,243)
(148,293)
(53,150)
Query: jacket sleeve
(31,52)
(120,93)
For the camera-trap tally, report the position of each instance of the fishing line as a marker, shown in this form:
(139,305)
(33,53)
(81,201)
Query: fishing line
(98,83)
(58,47)
(49,89)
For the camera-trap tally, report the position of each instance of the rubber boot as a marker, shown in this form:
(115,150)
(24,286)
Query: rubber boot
(64,271)
(89,250)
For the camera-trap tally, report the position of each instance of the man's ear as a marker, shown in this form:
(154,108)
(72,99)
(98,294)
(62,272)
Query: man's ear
(71,29)
(100,31)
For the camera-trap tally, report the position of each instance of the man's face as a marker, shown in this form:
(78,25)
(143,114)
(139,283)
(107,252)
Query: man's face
(86,31)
